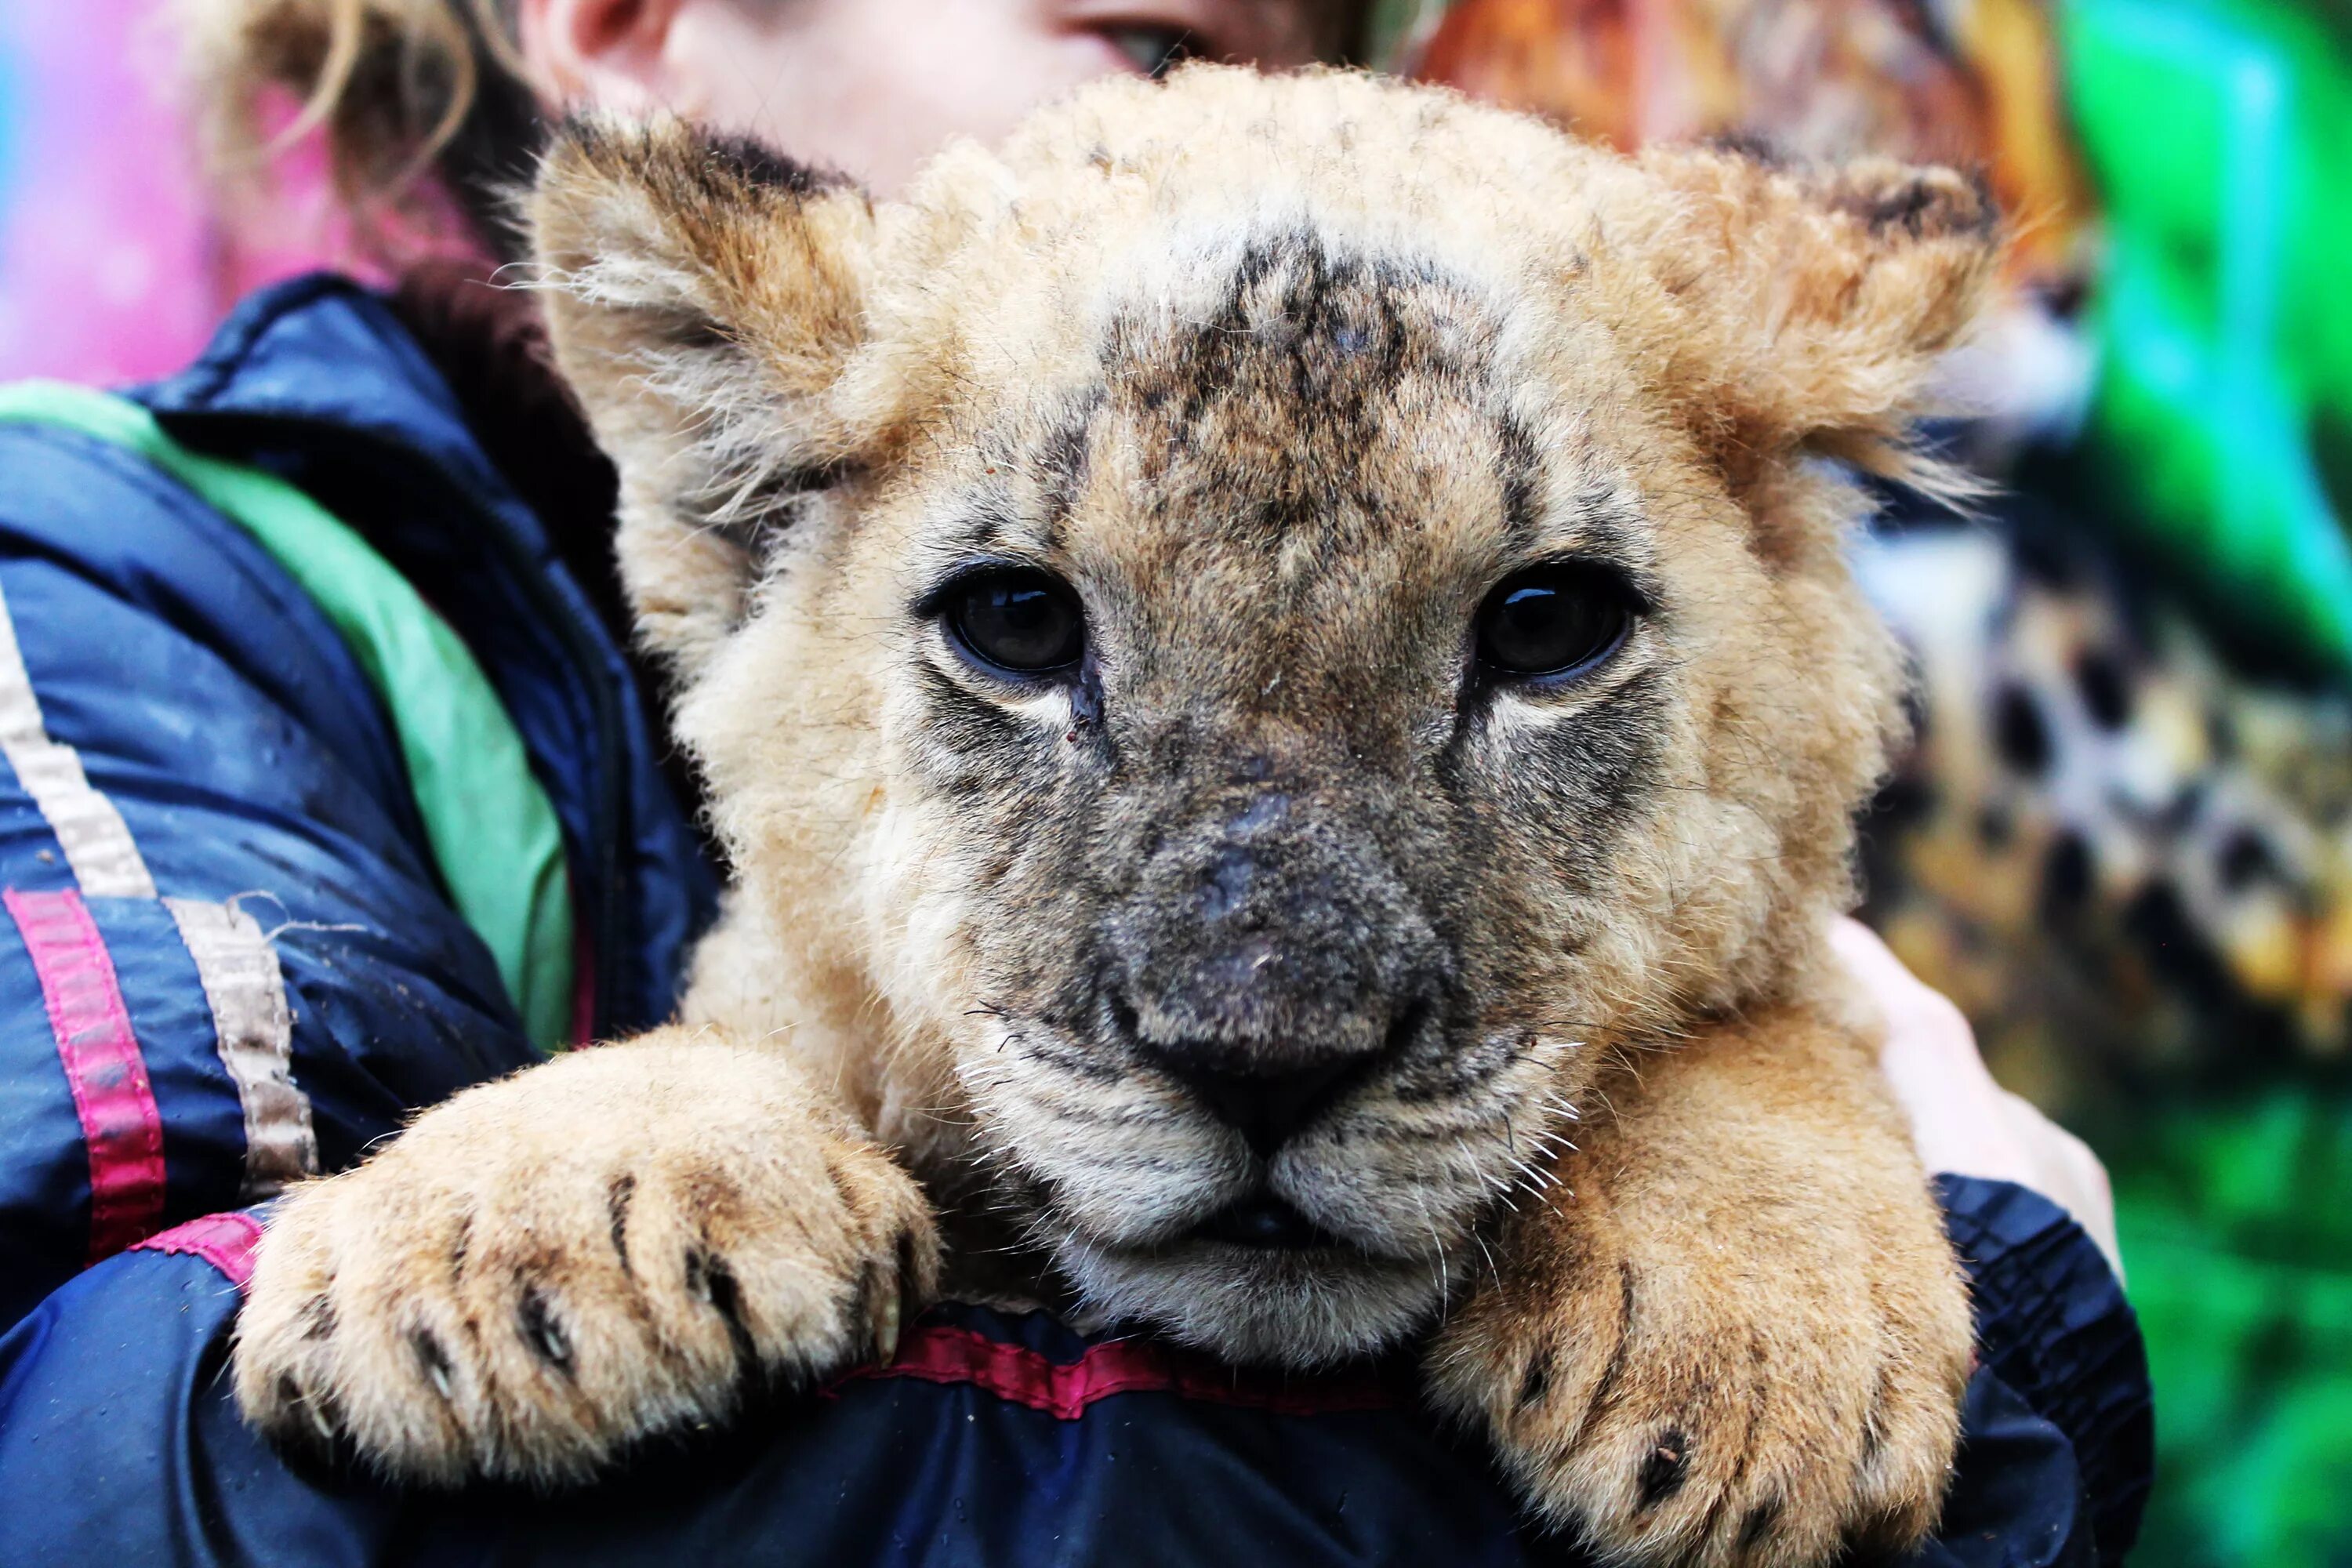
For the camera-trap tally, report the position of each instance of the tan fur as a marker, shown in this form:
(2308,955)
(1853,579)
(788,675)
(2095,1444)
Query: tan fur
(1285,375)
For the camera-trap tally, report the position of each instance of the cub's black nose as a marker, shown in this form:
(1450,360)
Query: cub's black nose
(1270,1092)
(1266,1108)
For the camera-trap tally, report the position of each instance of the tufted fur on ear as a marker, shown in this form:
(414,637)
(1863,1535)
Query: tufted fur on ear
(703,295)
(1804,309)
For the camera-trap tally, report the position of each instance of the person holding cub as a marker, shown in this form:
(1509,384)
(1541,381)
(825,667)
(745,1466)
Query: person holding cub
(1305,1007)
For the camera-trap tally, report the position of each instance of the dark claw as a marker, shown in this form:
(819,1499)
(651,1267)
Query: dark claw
(317,1416)
(1536,1380)
(318,1318)
(617,1199)
(1874,1541)
(710,1279)
(906,1263)
(1759,1524)
(1664,1469)
(435,1360)
(543,1331)
(862,1301)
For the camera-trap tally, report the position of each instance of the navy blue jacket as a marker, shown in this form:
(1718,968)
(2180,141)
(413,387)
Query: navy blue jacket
(229,955)
(992,1442)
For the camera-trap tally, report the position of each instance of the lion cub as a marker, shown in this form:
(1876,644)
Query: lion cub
(1275,664)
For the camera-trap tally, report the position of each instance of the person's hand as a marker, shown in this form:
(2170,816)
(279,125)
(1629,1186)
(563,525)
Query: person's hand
(1963,1122)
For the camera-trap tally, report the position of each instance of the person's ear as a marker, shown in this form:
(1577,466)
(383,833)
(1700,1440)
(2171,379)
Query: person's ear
(1799,312)
(610,53)
(703,296)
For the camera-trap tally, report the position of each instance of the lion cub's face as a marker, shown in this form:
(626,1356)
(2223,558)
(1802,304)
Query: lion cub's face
(1244,642)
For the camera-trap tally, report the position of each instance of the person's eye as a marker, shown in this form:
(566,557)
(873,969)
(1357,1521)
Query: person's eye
(1016,620)
(1554,619)
(1153,48)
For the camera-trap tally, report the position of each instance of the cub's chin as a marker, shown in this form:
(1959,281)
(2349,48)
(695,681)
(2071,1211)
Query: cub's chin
(1263,1289)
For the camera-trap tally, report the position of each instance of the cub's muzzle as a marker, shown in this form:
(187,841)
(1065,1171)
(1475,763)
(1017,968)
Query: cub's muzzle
(1271,961)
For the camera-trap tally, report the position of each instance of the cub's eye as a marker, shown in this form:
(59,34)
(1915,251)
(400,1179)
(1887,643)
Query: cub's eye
(1552,620)
(1016,620)
(1155,49)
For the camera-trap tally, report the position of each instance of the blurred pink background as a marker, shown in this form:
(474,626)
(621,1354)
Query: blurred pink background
(110,269)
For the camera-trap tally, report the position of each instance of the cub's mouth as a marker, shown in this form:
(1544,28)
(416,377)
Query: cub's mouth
(1263,1220)
(1260,1282)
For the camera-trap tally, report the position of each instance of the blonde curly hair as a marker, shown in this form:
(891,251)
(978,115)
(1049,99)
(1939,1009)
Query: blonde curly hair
(399,90)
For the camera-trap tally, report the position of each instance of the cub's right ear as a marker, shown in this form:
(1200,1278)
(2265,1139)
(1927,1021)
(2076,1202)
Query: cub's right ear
(702,296)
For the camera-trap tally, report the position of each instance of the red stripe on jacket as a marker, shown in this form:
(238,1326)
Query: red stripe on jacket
(946,1354)
(226,1241)
(120,1127)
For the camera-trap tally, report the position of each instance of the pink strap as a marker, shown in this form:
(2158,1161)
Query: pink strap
(942,1353)
(120,1125)
(224,1240)
(945,1355)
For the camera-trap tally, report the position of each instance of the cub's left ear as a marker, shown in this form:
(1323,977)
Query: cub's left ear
(1805,308)
(703,296)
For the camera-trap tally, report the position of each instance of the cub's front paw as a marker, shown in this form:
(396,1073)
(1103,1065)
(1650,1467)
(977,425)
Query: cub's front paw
(618,1245)
(1768,1409)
